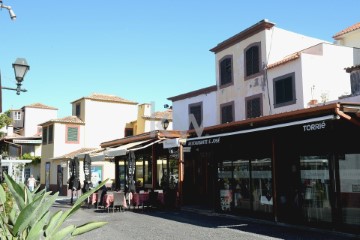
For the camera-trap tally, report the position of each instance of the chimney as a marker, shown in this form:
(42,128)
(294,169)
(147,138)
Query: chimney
(10,130)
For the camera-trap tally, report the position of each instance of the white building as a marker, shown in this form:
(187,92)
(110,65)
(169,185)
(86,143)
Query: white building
(265,70)
(96,118)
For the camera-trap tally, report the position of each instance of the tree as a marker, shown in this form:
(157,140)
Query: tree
(5,120)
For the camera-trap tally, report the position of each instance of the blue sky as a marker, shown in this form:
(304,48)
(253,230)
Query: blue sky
(141,50)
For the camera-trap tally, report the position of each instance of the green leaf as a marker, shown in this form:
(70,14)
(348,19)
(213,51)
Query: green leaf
(88,227)
(45,207)
(25,216)
(79,201)
(17,192)
(54,220)
(64,233)
(2,195)
(37,229)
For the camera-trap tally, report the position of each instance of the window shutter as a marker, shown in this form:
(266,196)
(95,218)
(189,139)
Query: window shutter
(44,135)
(253,108)
(72,134)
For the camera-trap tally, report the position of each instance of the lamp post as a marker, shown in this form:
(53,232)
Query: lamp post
(21,67)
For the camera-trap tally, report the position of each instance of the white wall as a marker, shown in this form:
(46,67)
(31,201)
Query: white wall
(105,121)
(276,44)
(181,111)
(35,116)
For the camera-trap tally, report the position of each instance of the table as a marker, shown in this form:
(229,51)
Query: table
(140,198)
(107,200)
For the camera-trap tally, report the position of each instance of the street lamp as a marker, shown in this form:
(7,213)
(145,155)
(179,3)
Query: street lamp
(165,124)
(11,12)
(21,67)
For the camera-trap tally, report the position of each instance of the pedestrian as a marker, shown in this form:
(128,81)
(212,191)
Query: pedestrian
(31,183)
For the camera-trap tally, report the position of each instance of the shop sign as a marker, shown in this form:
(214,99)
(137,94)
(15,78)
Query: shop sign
(204,141)
(186,149)
(314,127)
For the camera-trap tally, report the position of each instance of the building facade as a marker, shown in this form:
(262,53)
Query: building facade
(96,118)
(300,167)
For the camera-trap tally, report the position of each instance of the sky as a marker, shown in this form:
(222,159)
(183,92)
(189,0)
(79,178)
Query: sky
(140,50)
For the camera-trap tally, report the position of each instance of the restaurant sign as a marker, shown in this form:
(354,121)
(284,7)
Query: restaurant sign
(203,142)
(314,126)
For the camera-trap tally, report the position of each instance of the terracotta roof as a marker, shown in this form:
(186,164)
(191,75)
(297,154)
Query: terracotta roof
(347,30)
(194,93)
(161,115)
(69,119)
(353,68)
(106,98)
(256,28)
(287,59)
(40,105)
(74,153)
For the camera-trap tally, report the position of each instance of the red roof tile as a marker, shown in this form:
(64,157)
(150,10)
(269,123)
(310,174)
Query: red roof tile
(106,98)
(347,30)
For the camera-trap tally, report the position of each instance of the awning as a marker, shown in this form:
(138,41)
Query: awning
(199,140)
(97,157)
(35,141)
(82,155)
(122,150)
(145,146)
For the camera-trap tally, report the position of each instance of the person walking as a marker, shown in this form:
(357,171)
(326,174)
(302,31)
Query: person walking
(31,183)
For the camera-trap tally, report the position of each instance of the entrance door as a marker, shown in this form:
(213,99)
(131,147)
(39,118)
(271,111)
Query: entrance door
(199,180)
(287,187)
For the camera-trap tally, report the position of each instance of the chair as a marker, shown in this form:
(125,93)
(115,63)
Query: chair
(119,198)
(153,200)
(98,199)
(128,197)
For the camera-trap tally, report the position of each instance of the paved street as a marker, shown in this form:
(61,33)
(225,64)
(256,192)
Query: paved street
(185,224)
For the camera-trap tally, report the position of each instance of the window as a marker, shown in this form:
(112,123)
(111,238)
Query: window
(48,134)
(77,110)
(129,132)
(195,115)
(227,112)
(72,134)
(226,71)
(44,135)
(284,90)
(253,106)
(17,115)
(51,134)
(252,59)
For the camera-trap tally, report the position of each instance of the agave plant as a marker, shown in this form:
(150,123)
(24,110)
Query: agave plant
(31,218)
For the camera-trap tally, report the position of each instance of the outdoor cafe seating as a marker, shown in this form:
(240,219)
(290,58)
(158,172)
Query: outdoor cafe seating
(111,199)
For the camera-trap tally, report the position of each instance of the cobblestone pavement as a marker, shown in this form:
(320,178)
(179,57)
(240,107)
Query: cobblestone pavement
(186,224)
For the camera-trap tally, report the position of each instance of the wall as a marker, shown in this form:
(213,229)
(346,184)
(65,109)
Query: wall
(181,111)
(105,121)
(35,116)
